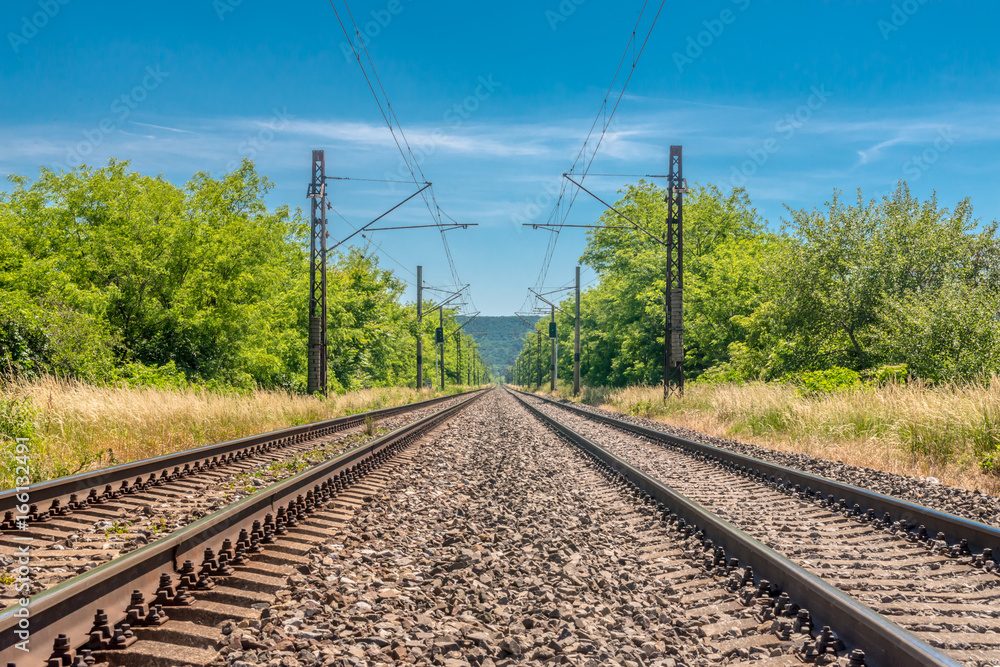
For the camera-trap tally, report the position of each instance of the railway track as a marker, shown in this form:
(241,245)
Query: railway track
(473,537)
(138,589)
(499,545)
(930,574)
(78,536)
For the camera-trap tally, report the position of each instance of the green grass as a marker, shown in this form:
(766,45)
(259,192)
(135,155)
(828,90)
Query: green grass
(73,427)
(950,432)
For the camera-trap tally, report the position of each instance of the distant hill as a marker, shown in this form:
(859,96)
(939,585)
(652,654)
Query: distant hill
(500,340)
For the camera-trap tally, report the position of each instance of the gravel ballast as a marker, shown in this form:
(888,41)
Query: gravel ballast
(497,543)
(973,505)
(949,602)
(79,542)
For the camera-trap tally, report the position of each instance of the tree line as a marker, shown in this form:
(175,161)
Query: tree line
(874,290)
(111,276)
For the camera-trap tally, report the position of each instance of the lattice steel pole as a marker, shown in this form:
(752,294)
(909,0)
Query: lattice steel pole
(576,339)
(317,352)
(420,328)
(673,343)
(553,361)
(538,362)
(440,336)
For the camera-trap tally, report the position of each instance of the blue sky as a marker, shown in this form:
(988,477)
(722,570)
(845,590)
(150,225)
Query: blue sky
(789,99)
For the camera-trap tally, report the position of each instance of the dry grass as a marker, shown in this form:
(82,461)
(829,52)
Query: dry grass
(911,429)
(77,427)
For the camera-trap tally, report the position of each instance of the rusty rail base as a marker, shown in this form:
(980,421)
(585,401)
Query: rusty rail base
(885,644)
(69,608)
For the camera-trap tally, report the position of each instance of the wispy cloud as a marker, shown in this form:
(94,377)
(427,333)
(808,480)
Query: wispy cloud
(162,127)
(875,152)
(469,139)
(504,161)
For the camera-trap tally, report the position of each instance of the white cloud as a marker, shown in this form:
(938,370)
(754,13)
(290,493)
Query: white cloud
(162,127)
(875,152)
(498,162)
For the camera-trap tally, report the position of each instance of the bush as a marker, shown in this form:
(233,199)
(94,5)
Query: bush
(724,373)
(24,347)
(38,338)
(889,374)
(945,335)
(167,376)
(827,381)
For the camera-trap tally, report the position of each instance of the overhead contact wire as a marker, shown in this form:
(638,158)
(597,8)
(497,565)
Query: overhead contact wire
(392,122)
(554,217)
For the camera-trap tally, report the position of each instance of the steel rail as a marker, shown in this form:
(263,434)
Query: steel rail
(122,478)
(857,501)
(69,607)
(885,644)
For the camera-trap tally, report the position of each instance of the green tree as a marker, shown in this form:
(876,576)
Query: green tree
(949,333)
(623,317)
(846,274)
(367,325)
(109,268)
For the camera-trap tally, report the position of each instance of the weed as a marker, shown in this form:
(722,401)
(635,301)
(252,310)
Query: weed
(990,463)
(985,437)
(937,442)
(643,408)
(117,528)
(17,418)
